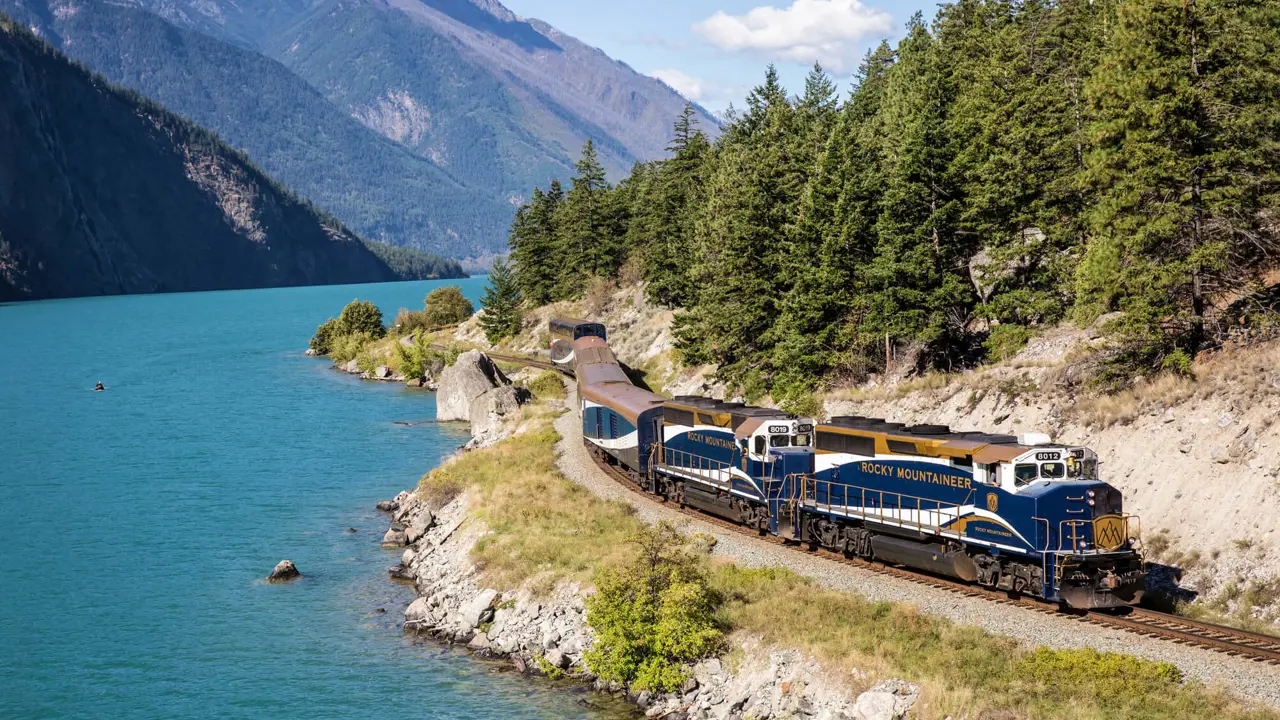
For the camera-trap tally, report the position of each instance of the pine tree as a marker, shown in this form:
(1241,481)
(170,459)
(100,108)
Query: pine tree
(752,199)
(588,233)
(676,193)
(835,239)
(918,286)
(502,317)
(1185,166)
(536,247)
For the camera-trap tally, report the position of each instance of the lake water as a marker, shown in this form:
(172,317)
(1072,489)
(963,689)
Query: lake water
(136,524)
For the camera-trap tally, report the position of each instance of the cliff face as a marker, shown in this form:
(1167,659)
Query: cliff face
(104,192)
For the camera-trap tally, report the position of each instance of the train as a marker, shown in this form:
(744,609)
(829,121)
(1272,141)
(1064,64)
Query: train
(1016,513)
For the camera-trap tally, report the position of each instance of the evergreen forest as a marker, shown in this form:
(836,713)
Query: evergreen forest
(1009,166)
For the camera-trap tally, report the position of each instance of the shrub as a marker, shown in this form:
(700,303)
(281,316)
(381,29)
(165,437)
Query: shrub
(361,317)
(347,347)
(322,341)
(446,306)
(1006,340)
(652,614)
(410,321)
(547,385)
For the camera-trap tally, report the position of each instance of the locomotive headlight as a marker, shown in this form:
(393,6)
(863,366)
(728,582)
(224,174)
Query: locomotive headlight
(1091,494)
(1091,502)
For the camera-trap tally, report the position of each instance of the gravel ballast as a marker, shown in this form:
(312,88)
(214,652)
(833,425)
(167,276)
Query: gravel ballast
(1241,677)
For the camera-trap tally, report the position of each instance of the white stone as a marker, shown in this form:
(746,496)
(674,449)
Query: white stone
(472,375)
(472,614)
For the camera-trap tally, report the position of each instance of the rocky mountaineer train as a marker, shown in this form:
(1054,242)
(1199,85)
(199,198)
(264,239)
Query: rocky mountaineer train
(1021,513)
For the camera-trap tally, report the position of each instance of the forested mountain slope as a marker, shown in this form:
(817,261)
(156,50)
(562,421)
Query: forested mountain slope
(380,189)
(105,192)
(483,105)
(1007,167)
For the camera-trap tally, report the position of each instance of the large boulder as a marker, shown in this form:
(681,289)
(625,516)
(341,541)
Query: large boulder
(471,376)
(489,409)
(284,571)
(478,610)
(419,526)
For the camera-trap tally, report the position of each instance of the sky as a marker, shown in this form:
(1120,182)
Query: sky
(715,51)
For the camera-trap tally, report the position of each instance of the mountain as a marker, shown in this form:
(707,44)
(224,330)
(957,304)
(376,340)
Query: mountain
(105,192)
(380,189)
(487,103)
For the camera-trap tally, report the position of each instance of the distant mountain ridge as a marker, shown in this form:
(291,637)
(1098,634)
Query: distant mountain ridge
(105,192)
(488,104)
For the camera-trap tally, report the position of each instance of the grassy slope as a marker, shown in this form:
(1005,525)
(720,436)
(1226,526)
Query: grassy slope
(545,528)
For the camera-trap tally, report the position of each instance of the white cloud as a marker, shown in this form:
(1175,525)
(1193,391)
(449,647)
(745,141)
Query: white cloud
(683,83)
(825,31)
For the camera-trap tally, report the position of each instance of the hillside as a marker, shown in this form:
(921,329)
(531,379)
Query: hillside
(104,192)
(378,188)
(478,106)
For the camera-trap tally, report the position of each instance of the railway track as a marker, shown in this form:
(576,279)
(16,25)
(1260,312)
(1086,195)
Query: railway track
(1253,646)
(1141,621)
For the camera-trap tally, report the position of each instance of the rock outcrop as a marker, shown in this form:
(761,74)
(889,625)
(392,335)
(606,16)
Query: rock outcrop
(548,633)
(490,409)
(284,571)
(470,376)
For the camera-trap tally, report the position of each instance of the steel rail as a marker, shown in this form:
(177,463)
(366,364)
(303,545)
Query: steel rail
(1235,642)
(1257,647)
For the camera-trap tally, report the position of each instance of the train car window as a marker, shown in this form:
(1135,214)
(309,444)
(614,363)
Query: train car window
(966,462)
(800,440)
(1090,469)
(743,444)
(779,440)
(1053,470)
(760,444)
(1023,474)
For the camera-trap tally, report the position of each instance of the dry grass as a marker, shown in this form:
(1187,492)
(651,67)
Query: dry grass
(965,672)
(540,524)
(543,527)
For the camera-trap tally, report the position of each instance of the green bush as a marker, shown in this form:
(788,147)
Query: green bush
(361,317)
(548,385)
(1006,340)
(446,306)
(420,360)
(322,341)
(410,321)
(652,614)
(347,347)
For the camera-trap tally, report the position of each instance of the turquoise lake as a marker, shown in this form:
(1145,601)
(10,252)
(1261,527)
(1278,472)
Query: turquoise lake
(136,524)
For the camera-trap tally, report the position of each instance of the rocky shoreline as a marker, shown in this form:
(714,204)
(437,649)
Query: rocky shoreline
(545,632)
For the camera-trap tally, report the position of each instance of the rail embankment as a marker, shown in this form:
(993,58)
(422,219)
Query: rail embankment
(516,552)
(1197,457)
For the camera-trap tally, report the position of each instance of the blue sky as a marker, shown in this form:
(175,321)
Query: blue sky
(715,51)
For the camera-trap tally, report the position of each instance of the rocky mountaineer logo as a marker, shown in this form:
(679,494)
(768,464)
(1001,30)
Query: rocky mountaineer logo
(993,502)
(1108,532)
(711,440)
(906,473)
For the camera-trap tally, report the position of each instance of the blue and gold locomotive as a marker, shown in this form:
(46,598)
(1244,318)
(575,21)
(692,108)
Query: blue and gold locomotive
(1015,513)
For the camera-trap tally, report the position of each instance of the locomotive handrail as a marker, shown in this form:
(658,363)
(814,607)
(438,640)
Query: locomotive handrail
(699,466)
(805,490)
